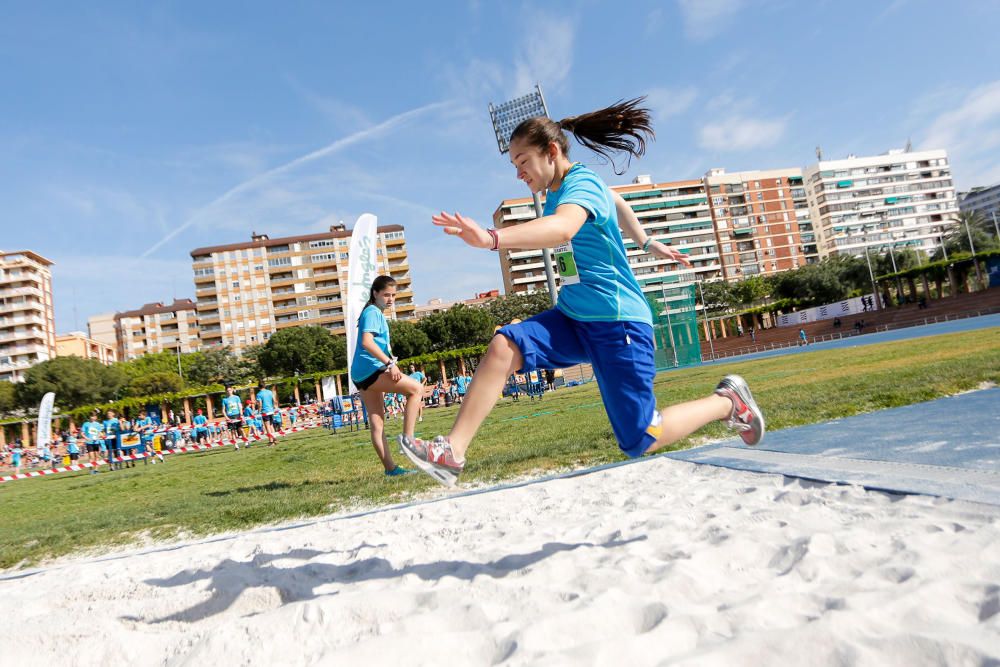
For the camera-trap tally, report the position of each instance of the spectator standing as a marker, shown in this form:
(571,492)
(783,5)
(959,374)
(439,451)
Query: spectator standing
(422,379)
(93,431)
(112,432)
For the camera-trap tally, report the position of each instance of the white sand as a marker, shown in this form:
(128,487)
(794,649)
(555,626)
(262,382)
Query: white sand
(656,563)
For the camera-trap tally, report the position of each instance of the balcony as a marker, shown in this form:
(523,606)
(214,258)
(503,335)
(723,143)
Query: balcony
(397,255)
(18,307)
(207,304)
(21,291)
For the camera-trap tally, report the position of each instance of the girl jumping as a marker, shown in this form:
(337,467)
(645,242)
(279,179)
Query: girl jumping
(601,317)
(375,373)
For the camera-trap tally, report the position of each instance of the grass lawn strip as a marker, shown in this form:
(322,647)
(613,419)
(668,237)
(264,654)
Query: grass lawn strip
(315,472)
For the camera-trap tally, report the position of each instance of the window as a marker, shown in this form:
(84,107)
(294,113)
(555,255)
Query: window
(760,196)
(236,284)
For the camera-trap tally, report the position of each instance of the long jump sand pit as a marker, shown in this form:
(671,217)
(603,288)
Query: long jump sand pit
(662,562)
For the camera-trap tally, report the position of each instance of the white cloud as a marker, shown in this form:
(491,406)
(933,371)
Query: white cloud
(738,133)
(546,61)
(258,182)
(970,132)
(666,102)
(704,19)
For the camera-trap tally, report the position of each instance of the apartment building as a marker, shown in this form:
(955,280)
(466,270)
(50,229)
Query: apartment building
(440,305)
(898,199)
(984,200)
(102,329)
(762,221)
(27,315)
(157,327)
(79,344)
(247,291)
(675,212)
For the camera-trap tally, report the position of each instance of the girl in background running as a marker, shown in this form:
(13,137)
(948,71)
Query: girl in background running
(601,317)
(375,373)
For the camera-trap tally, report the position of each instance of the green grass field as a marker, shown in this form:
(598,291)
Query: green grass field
(315,472)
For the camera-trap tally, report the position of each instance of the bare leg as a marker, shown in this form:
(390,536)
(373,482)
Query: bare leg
(502,358)
(414,398)
(684,419)
(376,422)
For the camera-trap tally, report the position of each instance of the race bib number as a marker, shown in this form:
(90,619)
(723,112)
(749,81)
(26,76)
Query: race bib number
(566,264)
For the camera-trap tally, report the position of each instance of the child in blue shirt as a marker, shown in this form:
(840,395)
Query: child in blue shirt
(200,430)
(375,373)
(93,432)
(112,445)
(601,316)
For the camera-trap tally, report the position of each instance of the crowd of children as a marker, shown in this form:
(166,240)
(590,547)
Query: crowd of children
(113,437)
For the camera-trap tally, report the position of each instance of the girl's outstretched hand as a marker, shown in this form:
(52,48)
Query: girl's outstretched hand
(464,228)
(666,252)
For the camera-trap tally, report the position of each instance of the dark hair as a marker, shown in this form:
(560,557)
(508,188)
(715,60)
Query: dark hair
(621,127)
(379,284)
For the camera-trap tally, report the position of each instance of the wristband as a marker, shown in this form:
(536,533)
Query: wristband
(496,239)
(645,246)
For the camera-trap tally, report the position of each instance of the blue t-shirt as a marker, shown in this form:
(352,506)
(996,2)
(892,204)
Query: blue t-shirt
(71,447)
(231,405)
(112,427)
(597,282)
(92,432)
(199,420)
(462,383)
(266,398)
(143,426)
(418,376)
(364,364)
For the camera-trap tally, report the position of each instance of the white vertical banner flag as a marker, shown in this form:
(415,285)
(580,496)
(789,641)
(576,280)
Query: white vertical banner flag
(44,434)
(361,272)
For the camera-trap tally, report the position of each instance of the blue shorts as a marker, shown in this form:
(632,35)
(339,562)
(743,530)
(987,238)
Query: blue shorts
(622,354)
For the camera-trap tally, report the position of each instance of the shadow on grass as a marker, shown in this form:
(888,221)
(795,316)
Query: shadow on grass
(229,579)
(270,486)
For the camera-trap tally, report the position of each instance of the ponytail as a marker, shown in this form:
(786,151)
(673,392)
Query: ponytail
(621,127)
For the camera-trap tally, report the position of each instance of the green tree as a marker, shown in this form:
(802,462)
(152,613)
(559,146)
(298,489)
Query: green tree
(157,362)
(906,258)
(505,309)
(305,349)
(718,296)
(750,290)
(408,339)
(154,383)
(214,366)
(459,326)
(75,381)
(7,398)
(831,280)
(956,240)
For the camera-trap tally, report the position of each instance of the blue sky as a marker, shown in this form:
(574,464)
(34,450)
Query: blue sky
(131,133)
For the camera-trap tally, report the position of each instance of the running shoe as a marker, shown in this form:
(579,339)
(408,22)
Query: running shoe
(746,416)
(399,471)
(435,458)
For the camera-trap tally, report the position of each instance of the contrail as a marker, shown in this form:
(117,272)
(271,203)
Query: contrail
(338,145)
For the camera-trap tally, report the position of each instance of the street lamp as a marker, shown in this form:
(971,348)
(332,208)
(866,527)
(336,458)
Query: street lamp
(871,274)
(972,249)
(506,117)
(708,325)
